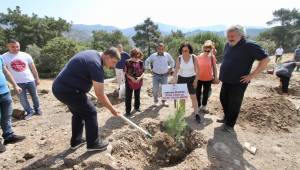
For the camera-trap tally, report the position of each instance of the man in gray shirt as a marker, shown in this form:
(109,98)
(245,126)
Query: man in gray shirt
(161,65)
(297,56)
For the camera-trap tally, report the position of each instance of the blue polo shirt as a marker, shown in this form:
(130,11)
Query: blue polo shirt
(3,84)
(238,60)
(121,64)
(80,71)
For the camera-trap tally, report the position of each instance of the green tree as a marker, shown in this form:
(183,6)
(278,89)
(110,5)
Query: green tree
(102,40)
(2,41)
(287,32)
(285,17)
(147,36)
(31,29)
(55,54)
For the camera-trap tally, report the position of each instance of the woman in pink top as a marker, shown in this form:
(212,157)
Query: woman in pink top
(207,74)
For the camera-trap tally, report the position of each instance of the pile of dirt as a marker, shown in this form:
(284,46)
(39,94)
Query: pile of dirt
(273,112)
(160,151)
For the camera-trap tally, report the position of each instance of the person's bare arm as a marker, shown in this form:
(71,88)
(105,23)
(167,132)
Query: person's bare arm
(12,81)
(176,71)
(261,66)
(35,73)
(196,71)
(103,99)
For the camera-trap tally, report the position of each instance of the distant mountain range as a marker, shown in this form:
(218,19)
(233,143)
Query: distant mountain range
(81,32)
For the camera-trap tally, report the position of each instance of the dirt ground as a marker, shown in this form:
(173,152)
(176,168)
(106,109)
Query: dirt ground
(268,121)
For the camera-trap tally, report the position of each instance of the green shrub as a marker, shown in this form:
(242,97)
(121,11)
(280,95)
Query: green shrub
(109,73)
(217,39)
(268,45)
(54,55)
(35,52)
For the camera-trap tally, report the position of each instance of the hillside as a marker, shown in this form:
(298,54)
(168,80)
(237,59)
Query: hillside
(81,32)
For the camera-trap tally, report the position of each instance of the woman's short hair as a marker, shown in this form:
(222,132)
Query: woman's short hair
(136,53)
(186,44)
(208,44)
(113,52)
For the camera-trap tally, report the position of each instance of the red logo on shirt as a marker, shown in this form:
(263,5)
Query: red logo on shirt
(18,65)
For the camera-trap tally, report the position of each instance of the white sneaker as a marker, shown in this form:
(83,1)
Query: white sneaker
(165,104)
(156,104)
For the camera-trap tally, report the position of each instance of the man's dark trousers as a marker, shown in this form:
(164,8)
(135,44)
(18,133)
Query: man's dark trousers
(84,113)
(231,97)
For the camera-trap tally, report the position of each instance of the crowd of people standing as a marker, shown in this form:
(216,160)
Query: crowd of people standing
(85,71)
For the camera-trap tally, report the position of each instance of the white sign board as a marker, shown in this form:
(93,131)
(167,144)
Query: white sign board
(174,91)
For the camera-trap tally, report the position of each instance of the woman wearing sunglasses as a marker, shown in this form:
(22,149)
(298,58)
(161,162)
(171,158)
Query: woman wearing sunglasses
(207,74)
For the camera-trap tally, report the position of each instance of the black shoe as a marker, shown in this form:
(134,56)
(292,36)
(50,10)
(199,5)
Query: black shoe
(137,110)
(221,120)
(101,146)
(198,118)
(13,139)
(127,114)
(229,129)
(2,148)
(78,144)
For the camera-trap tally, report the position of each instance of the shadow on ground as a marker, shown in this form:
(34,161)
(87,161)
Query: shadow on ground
(225,151)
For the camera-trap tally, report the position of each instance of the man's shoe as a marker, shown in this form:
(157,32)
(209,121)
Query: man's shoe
(13,139)
(2,148)
(101,146)
(78,144)
(156,104)
(29,116)
(39,112)
(166,104)
(127,114)
(198,118)
(221,120)
(137,110)
(229,129)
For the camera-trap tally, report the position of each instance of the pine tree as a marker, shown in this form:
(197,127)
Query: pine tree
(147,36)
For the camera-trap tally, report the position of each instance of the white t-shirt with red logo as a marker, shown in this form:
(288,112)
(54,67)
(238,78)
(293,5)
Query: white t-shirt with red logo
(18,65)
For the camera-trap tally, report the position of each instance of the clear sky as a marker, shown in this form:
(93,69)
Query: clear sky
(182,13)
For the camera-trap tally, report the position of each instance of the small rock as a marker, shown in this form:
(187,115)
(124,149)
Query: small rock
(44,91)
(76,167)
(18,114)
(20,160)
(110,139)
(84,164)
(43,142)
(43,138)
(28,156)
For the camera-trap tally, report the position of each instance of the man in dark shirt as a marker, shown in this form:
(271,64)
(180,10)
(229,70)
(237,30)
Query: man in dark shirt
(284,72)
(81,73)
(297,56)
(235,72)
(120,69)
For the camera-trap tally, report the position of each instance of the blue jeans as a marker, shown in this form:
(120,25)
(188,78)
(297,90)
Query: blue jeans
(31,88)
(158,80)
(6,113)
